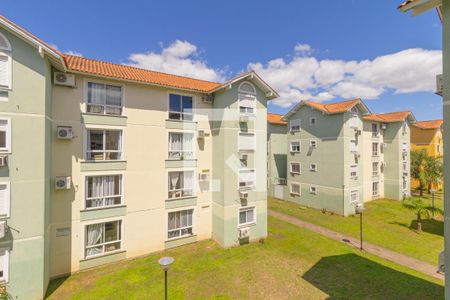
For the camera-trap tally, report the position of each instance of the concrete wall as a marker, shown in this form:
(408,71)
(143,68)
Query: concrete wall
(277,154)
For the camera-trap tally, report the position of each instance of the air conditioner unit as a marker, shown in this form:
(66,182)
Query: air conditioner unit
(208,98)
(201,134)
(383,126)
(2,229)
(244,233)
(64,132)
(65,79)
(3,161)
(244,156)
(243,195)
(203,177)
(62,182)
(244,118)
(439,84)
(358,132)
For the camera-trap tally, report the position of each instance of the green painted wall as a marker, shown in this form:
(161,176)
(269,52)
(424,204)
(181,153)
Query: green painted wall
(226,203)
(277,154)
(28,170)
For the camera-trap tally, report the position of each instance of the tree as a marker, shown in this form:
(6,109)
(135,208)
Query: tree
(433,170)
(418,158)
(416,204)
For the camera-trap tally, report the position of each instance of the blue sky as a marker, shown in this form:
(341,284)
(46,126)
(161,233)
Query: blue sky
(366,42)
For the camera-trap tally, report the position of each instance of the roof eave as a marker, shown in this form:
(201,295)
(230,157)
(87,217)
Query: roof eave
(419,7)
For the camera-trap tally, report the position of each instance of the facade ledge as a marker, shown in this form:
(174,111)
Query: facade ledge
(181,202)
(180,241)
(105,165)
(104,212)
(181,124)
(184,163)
(109,120)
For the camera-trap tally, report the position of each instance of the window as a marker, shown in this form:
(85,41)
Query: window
(313,144)
(5,135)
(181,145)
(247,141)
(353,146)
(181,184)
(374,149)
(104,144)
(405,147)
(4,265)
(247,104)
(405,184)
(438,148)
(180,224)
(104,99)
(312,121)
(247,88)
(5,196)
(313,167)
(180,107)
(247,216)
(354,171)
(353,121)
(103,238)
(405,166)
(295,189)
(313,190)
(354,110)
(5,63)
(294,125)
(374,169)
(247,178)
(295,168)
(103,191)
(404,128)
(295,146)
(375,188)
(354,196)
(374,129)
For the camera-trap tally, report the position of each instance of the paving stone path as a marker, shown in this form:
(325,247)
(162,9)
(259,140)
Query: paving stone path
(367,247)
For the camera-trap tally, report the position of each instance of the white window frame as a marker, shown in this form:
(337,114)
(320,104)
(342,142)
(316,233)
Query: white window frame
(194,182)
(7,148)
(192,226)
(248,133)
(313,167)
(7,212)
(121,195)
(356,193)
(239,179)
(249,208)
(299,146)
(181,112)
(7,53)
(104,151)
(85,235)
(313,144)
(299,167)
(86,95)
(5,257)
(169,150)
(352,167)
(311,123)
(404,128)
(377,152)
(299,189)
(405,166)
(376,132)
(375,168)
(247,92)
(355,143)
(295,123)
(377,192)
(313,190)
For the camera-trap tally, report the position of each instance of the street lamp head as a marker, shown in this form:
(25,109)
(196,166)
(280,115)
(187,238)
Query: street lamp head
(165,262)
(433,191)
(359,208)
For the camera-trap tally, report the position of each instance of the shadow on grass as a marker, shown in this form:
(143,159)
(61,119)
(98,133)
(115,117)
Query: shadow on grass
(350,276)
(428,225)
(54,285)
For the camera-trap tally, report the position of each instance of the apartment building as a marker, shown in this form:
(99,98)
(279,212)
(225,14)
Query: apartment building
(341,153)
(102,162)
(276,155)
(427,135)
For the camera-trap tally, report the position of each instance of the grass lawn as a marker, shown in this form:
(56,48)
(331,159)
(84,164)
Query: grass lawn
(292,263)
(386,223)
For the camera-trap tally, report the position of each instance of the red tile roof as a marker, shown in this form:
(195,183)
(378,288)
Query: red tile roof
(334,108)
(275,119)
(406,3)
(116,71)
(399,116)
(432,124)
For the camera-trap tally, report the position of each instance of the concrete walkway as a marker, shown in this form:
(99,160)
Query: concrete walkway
(398,258)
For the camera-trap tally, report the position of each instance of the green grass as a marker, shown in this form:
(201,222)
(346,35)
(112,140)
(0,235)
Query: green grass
(292,263)
(386,223)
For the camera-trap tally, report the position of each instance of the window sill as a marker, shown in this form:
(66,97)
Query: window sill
(5,89)
(180,198)
(293,194)
(85,161)
(102,208)
(180,238)
(246,225)
(189,159)
(103,255)
(104,115)
(181,121)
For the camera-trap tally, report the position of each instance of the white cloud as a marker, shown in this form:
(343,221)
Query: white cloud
(181,58)
(304,49)
(306,77)
(74,53)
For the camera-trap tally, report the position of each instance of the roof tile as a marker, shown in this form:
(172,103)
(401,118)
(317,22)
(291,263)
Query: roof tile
(334,108)
(397,116)
(275,119)
(431,124)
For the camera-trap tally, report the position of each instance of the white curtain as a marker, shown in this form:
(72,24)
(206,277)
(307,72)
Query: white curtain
(94,235)
(97,191)
(174,177)
(96,93)
(4,70)
(108,189)
(175,141)
(189,180)
(113,95)
(246,101)
(188,144)
(247,141)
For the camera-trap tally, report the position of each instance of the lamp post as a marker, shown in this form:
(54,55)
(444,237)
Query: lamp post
(165,263)
(359,210)
(432,201)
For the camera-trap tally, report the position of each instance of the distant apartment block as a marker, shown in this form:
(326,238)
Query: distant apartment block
(101,162)
(341,153)
(428,135)
(277,155)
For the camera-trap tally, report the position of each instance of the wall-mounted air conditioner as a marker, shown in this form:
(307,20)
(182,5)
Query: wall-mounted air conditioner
(244,233)
(208,98)
(358,132)
(244,118)
(244,156)
(2,229)
(201,134)
(243,195)
(60,78)
(383,126)
(3,161)
(62,182)
(203,176)
(64,132)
